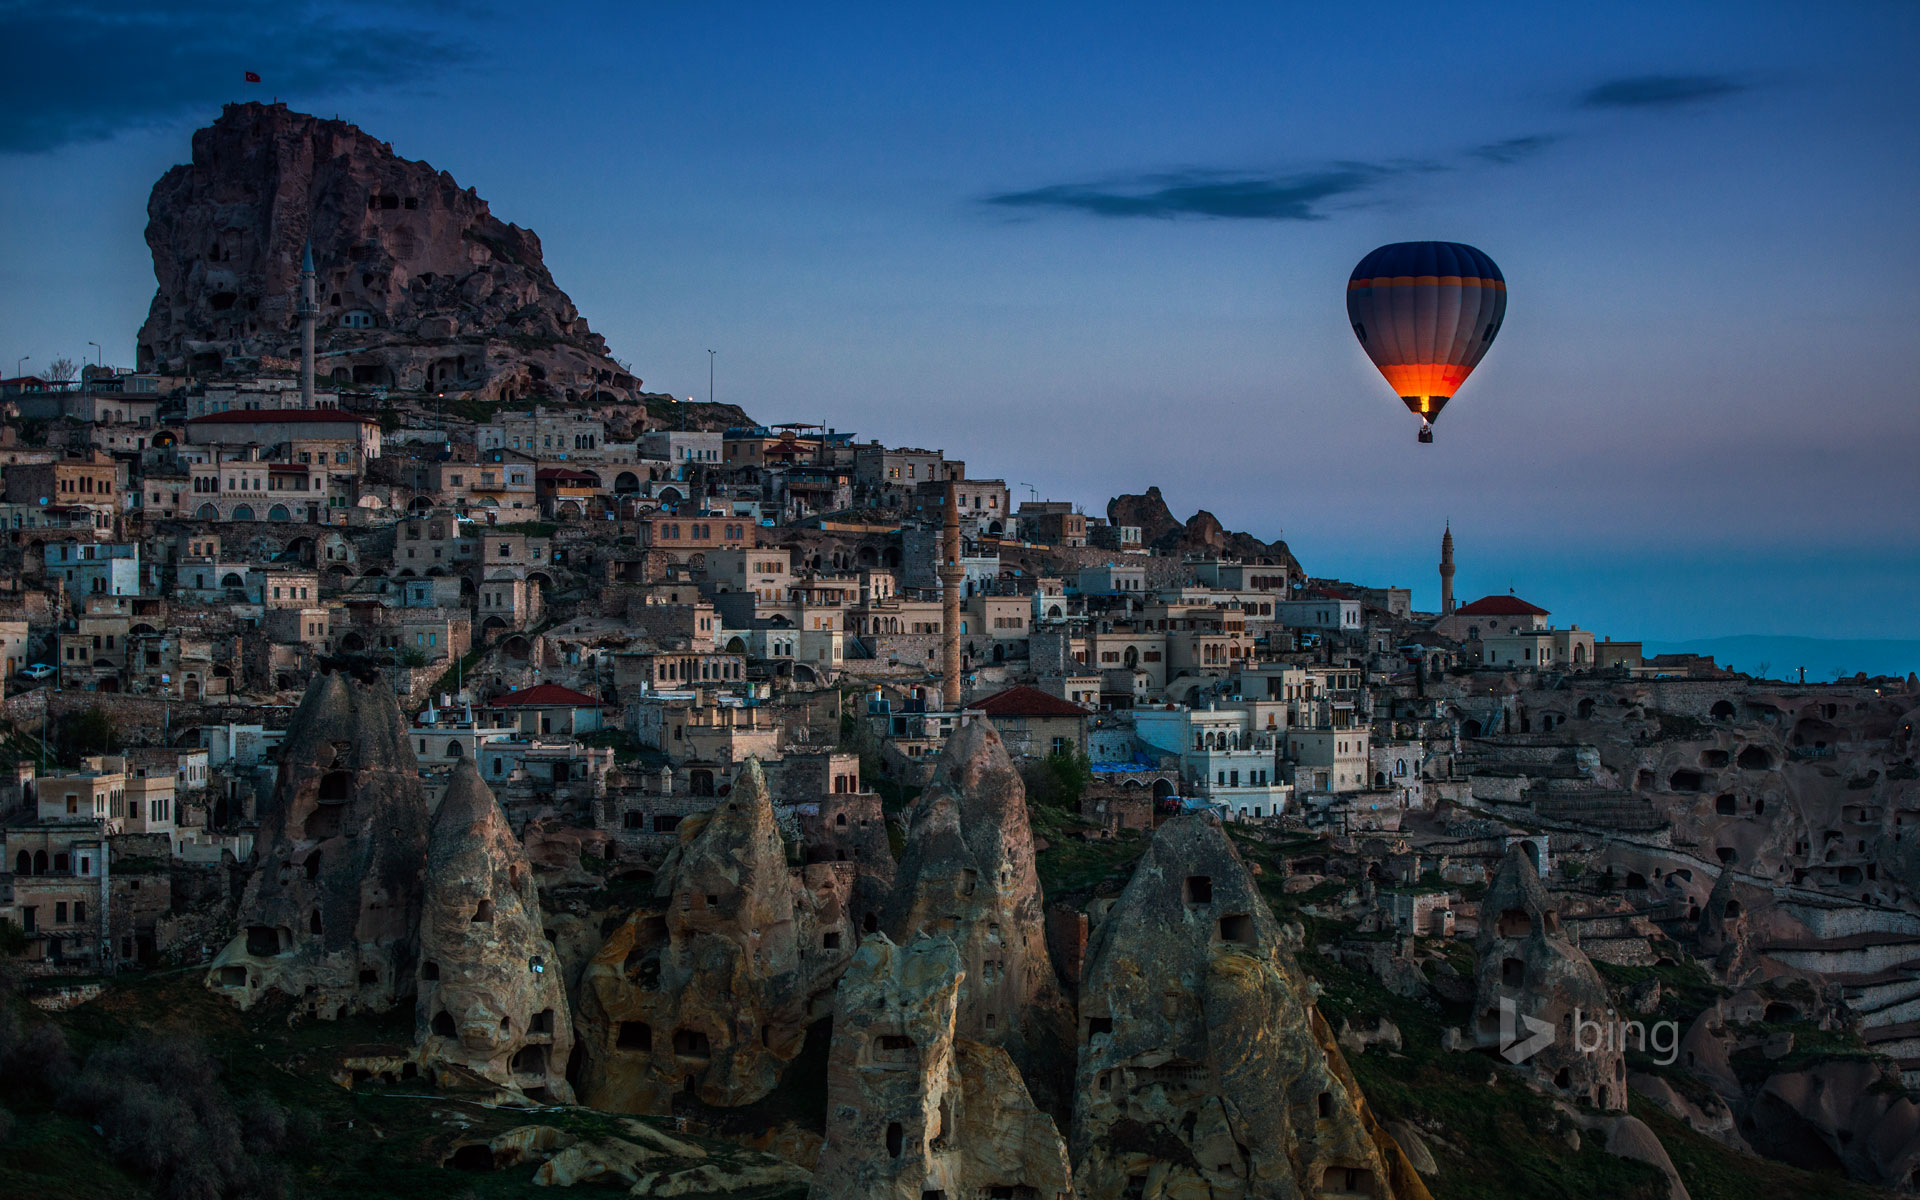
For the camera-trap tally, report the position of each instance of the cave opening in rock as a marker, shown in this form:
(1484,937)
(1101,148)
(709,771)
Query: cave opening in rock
(634,1035)
(1237,928)
(530,1060)
(1514,923)
(691,1043)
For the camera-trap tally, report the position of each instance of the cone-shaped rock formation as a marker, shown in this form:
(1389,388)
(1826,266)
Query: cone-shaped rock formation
(1547,987)
(491,999)
(710,988)
(968,874)
(331,913)
(915,1111)
(1204,1069)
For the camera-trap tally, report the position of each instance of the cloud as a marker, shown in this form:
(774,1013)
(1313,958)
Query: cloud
(1509,151)
(86,71)
(1226,195)
(1660,91)
(1243,195)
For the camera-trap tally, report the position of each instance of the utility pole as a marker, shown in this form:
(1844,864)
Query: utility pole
(710,355)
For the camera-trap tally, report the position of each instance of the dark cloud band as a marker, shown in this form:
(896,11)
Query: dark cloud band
(86,71)
(1660,91)
(1201,194)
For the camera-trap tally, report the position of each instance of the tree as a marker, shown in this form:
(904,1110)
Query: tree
(60,370)
(1057,781)
(1760,672)
(89,732)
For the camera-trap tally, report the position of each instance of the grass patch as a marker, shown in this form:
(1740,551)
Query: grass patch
(1713,1171)
(349,1144)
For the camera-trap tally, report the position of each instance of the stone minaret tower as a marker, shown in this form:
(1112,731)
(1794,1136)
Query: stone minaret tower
(307,313)
(952,575)
(1446,571)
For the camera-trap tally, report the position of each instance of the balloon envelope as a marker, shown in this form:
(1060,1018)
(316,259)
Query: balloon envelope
(1426,312)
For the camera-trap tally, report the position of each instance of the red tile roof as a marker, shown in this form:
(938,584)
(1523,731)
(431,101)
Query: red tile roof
(247,416)
(545,695)
(1500,606)
(1027,702)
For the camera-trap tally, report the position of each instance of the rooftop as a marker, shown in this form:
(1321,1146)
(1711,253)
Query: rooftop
(1500,606)
(545,695)
(250,416)
(1027,702)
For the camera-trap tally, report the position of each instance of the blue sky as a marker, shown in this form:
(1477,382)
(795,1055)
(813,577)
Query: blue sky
(1097,247)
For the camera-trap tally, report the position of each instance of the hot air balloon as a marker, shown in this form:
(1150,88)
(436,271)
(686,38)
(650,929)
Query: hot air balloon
(1425,312)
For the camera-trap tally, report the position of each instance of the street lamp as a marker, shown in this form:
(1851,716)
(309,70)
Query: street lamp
(99,356)
(710,354)
(19,368)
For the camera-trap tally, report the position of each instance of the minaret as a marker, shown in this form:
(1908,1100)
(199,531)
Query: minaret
(1446,571)
(952,575)
(307,313)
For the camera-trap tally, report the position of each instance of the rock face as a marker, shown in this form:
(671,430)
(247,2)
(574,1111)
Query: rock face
(914,1110)
(1160,530)
(710,989)
(420,286)
(1204,1069)
(1850,1114)
(967,874)
(1527,963)
(331,915)
(1722,929)
(1147,512)
(491,997)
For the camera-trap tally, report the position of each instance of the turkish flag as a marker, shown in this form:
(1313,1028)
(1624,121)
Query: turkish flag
(252,77)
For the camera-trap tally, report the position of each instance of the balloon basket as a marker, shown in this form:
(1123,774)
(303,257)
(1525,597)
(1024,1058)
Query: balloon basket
(1426,436)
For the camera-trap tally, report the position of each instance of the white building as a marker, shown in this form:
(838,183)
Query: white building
(1229,756)
(95,568)
(1327,613)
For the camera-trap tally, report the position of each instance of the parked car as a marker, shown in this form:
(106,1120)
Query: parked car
(37,671)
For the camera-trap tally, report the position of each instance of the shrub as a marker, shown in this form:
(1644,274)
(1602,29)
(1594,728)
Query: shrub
(159,1105)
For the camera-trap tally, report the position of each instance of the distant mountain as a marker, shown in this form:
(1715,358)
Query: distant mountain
(1785,656)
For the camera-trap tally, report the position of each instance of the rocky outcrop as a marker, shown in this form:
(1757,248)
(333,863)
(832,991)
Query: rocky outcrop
(1201,534)
(1538,998)
(491,998)
(708,990)
(1851,1114)
(1721,933)
(331,914)
(1204,1069)
(1147,512)
(967,874)
(914,1110)
(420,286)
